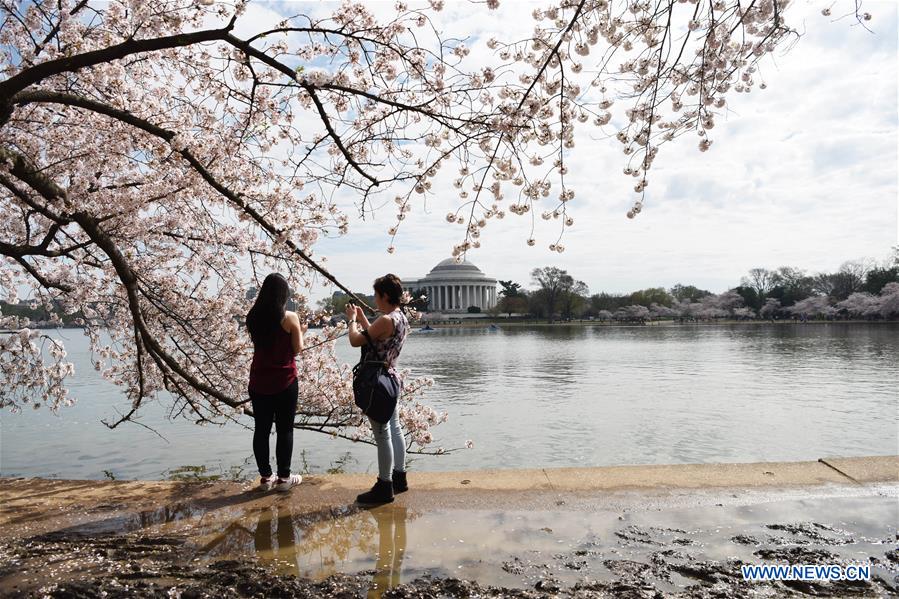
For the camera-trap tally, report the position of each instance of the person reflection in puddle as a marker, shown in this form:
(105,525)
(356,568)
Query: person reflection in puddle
(284,556)
(391,522)
(276,543)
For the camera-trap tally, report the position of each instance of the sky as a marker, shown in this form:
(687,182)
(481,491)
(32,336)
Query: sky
(803,173)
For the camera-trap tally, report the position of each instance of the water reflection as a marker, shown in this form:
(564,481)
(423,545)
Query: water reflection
(275,539)
(391,522)
(520,548)
(319,544)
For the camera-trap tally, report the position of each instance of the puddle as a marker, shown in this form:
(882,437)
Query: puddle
(668,550)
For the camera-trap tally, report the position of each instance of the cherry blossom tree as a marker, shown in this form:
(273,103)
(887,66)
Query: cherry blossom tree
(743,313)
(817,305)
(153,168)
(866,305)
(634,313)
(889,301)
(155,163)
(770,309)
(662,311)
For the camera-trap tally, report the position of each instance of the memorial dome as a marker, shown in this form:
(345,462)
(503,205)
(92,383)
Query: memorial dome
(450,269)
(455,286)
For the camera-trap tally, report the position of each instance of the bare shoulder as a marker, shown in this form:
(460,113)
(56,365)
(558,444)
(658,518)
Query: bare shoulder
(291,321)
(387,321)
(382,327)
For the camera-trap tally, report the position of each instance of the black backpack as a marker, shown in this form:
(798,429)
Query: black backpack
(375,390)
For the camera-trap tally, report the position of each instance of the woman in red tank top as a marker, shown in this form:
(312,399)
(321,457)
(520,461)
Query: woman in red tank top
(277,336)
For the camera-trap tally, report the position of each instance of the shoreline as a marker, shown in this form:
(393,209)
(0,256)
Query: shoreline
(628,477)
(481,322)
(682,530)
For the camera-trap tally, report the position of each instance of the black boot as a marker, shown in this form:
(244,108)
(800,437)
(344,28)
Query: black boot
(399,482)
(382,492)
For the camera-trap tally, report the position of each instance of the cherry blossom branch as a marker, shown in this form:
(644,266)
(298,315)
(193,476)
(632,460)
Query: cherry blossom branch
(39,72)
(166,135)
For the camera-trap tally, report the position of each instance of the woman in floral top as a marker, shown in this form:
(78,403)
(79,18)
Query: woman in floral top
(387,334)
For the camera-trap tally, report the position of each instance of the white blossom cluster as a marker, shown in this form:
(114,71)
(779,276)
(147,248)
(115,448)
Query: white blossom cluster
(33,370)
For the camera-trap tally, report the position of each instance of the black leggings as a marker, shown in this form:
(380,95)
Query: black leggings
(280,408)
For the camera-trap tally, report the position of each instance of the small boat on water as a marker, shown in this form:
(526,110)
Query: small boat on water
(492,327)
(426,329)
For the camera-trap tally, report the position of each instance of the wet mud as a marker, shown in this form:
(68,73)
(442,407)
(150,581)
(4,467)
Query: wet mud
(279,547)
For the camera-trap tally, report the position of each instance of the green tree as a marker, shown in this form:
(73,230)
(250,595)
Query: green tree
(877,278)
(761,280)
(850,278)
(39,314)
(608,302)
(510,289)
(792,285)
(552,282)
(573,301)
(512,304)
(537,304)
(750,297)
(652,295)
(336,304)
(688,293)
(824,283)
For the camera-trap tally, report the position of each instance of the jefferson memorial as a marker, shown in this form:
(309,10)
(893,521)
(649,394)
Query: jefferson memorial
(454,287)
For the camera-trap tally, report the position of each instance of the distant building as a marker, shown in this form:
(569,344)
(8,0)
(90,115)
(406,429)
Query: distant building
(454,287)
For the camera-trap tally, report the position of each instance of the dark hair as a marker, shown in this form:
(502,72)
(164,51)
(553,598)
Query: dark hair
(390,286)
(266,315)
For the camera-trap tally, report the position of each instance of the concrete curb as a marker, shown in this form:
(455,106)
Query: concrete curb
(858,470)
(871,469)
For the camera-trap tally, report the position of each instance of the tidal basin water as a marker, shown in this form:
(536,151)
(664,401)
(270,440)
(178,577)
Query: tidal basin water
(539,397)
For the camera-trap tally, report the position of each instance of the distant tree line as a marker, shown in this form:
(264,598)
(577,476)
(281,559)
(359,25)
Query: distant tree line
(858,289)
(36,315)
(336,304)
